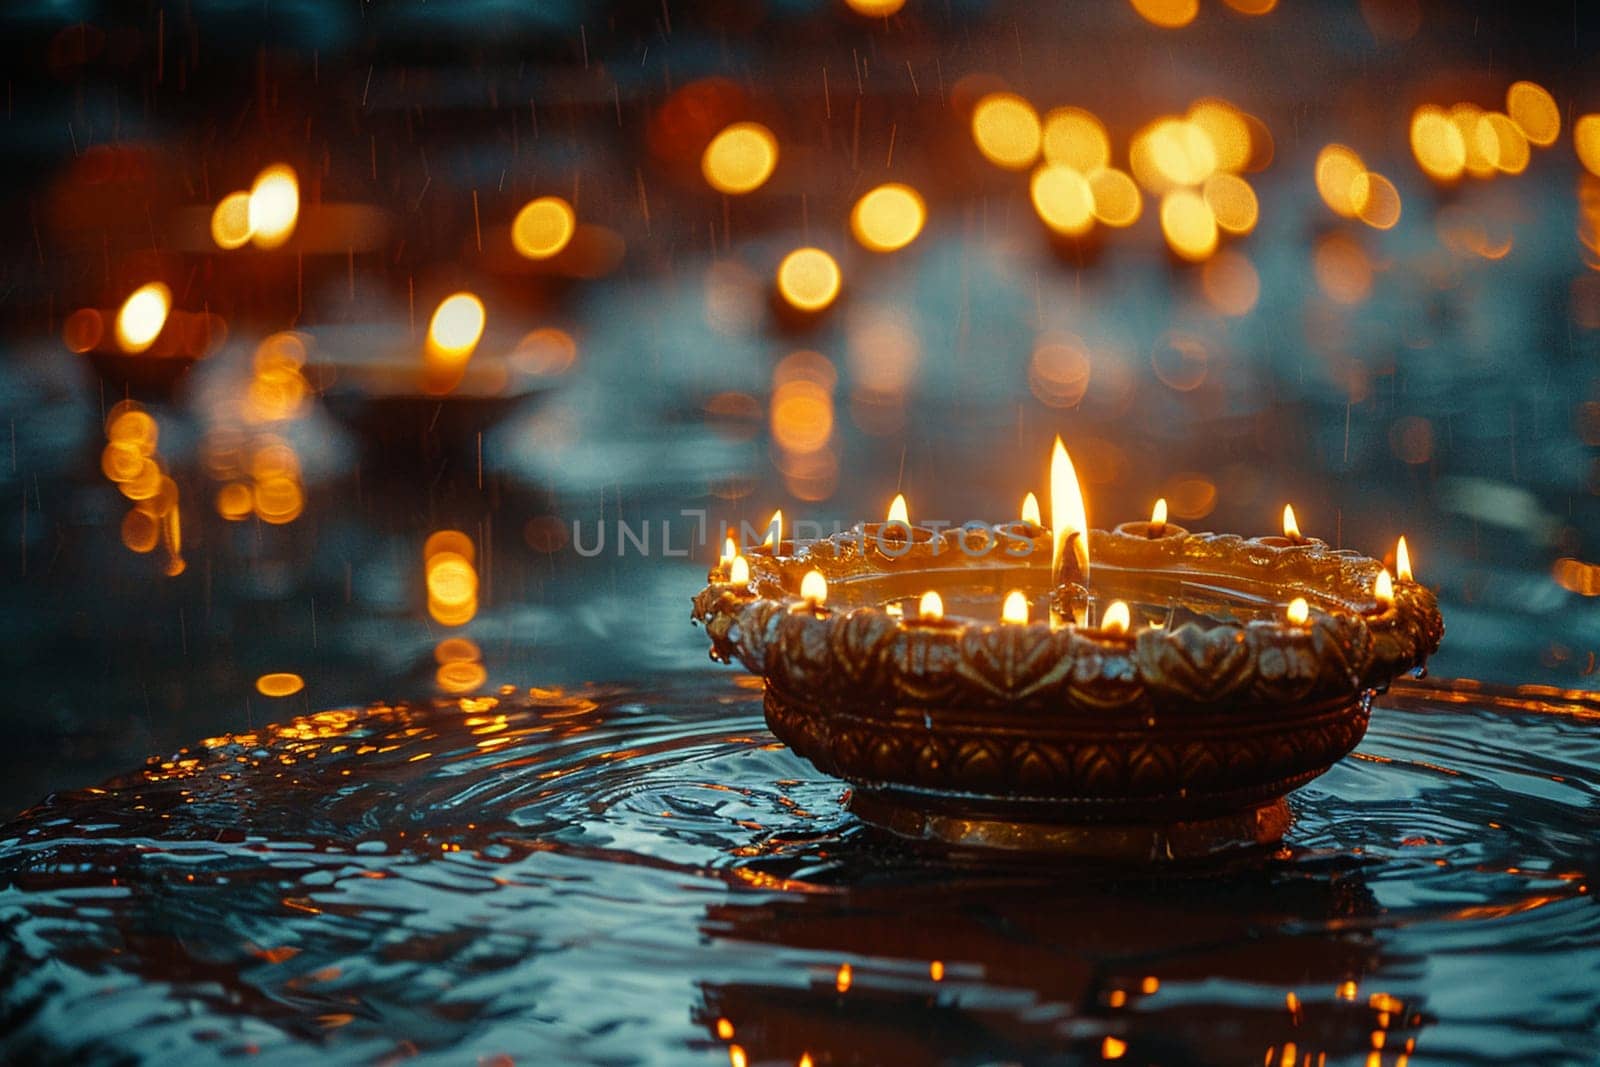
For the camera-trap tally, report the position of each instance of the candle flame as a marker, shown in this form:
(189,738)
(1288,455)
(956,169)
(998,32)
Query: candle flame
(1030,510)
(774,529)
(1291,528)
(1383,589)
(1069,521)
(1158,514)
(814,589)
(931,607)
(898,512)
(1015,609)
(730,550)
(143,315)
(1299,611)
(1402,560)
(739,571)
(1117,618)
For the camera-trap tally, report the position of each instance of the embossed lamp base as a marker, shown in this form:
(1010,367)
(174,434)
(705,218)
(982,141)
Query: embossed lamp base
(1118,842)
(1177,738)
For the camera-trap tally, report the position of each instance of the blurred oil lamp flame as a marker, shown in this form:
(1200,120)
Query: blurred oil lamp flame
(737,1056)
(142,316)
(730,550)
(774,529)
(453,335)
(1117,618)
(1030,510)
(841,981)
(274,206)
(1112,1048)
(1383,589)
(1158,516)
(931,607)
(1015,608)
(1291,528)
(1069,521)
(456,326)
(1402,560)
(739,571)
(898,512)
(814,589)
(724,1029)
(1298,611)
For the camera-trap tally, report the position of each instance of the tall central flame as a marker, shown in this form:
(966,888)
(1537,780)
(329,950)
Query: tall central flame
(1069,522)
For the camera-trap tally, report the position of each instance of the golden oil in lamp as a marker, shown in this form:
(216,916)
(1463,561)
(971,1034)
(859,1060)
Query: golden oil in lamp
(1142,693)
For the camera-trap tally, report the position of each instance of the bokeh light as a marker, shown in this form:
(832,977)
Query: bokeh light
(543,227)
(809,279)
(1377,199)
(1337,169)
(741,158)
(230,221)
(1117,201)
(888,218)
(1075,138)
(1437,144)
(1006,129)
(142,316)
(1228,130)
(1230,283)
(1168,14)
(875,8)
(457,325)
(274,206)
(1063,199)
(1501,142)
(1232,201)
(1535,112)
(1586,139)
(1188,224)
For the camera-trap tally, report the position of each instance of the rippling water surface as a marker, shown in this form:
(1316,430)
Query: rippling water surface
(611,875)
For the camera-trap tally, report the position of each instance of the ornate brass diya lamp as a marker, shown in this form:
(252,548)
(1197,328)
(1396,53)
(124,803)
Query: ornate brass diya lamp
(1162,711)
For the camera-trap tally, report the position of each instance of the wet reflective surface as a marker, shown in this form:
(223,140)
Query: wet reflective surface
(603,870)
(605,873)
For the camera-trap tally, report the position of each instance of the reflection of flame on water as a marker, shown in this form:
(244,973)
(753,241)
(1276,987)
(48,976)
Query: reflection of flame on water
(449,559)
(461,667)
(130,461)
